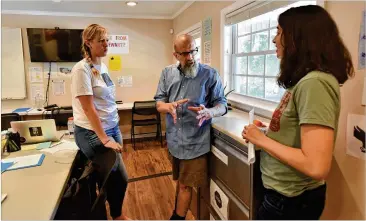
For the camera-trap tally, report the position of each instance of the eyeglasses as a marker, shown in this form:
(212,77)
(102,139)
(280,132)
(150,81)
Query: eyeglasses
(192,52)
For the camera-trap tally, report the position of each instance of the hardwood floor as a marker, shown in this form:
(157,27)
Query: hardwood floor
(149,158)
(149,197)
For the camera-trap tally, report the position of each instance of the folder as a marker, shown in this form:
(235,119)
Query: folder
(24,161)
(19,110)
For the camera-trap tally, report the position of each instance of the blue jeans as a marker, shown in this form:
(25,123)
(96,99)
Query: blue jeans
(116,186)
(307,206)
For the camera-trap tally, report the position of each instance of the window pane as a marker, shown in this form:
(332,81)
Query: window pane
(256,87)
(240,84)
(260,41)
(227,62)
(244,27)
(198,45)
(272,65)
(273,91)
(272,35)
(256,65)
(241,65)
(260,22)
(227,46)
(244,44)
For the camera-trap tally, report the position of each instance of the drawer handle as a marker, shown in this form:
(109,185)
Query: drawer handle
(220,155)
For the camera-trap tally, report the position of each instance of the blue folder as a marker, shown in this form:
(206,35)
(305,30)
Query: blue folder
(15,159)
(5,166)
(19,110)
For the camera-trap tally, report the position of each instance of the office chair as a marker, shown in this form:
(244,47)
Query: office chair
(145,108)
(7,118)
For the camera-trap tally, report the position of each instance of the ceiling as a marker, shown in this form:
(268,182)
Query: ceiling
(94,8)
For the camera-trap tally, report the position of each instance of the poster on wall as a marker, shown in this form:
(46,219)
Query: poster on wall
(207,52)
(118,44)
(37,89)
(356,127)
(362,43)
(124,81)
(207,29)
(206,39)
(36,74)
(58,87)
(115,63)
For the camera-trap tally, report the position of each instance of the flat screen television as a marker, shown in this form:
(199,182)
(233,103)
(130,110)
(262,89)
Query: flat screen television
(54,45)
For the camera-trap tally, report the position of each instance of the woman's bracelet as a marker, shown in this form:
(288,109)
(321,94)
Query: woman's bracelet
(106,142)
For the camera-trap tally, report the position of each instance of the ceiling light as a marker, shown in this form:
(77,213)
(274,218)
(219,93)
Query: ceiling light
(131,3)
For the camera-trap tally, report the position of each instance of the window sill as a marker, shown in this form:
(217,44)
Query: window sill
(262,108)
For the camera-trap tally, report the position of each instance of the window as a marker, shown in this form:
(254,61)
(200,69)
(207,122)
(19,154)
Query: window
(250,60)
(196,34)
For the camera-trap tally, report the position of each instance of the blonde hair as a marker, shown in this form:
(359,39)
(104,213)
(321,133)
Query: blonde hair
(91,32)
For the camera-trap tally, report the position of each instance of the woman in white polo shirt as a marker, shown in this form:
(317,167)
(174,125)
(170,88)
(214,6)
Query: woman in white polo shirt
(95,112)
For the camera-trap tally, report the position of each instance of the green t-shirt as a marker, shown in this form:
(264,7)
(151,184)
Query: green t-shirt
(315,99)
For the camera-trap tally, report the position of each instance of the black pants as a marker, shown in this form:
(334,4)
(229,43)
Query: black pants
(307,206)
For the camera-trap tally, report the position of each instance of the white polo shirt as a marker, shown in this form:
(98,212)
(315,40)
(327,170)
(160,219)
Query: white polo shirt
(84,82)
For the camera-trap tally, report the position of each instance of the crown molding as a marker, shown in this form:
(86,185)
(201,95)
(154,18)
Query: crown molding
(79,14)
(185,6)
(95,15)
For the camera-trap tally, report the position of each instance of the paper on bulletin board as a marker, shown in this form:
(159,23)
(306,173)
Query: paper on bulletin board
(118,44)
(58,87)
(115,63)
(207,53)
(356,127)
(37,89)
(35,74)
(362,43)
(46,69)
(124,81)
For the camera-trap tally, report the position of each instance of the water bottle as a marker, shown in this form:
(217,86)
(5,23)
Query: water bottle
(38,102)
(70,127)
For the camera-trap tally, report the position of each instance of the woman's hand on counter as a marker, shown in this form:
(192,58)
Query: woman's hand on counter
(253,134)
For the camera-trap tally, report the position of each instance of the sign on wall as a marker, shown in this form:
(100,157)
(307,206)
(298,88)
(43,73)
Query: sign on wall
(206,36)
(118,44)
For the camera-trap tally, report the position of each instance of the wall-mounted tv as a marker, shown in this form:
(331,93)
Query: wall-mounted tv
(54,45)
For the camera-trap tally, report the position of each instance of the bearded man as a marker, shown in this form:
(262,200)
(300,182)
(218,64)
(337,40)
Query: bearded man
(191,94)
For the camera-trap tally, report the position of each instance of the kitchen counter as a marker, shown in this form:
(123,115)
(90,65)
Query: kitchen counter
(232,124)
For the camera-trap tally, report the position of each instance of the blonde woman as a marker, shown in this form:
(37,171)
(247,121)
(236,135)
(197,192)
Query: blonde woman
(95,112)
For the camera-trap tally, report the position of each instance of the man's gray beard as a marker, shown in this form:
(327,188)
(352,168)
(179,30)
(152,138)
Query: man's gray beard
(190,71)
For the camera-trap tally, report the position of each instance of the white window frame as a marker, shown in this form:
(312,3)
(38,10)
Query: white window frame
(262,107)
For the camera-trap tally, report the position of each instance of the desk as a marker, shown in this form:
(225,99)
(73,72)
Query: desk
(35,112)
(124,111)
(34,193)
